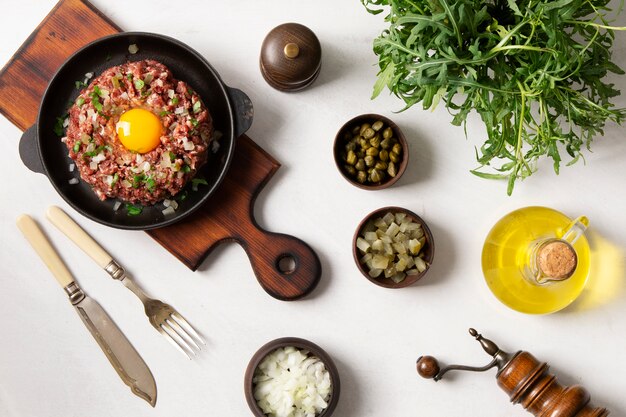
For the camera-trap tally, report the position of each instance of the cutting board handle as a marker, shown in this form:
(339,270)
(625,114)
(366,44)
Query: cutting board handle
(29,150)
(285,266)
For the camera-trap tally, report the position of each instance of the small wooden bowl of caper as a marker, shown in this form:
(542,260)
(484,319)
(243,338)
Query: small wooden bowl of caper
(371,152)
(393,247)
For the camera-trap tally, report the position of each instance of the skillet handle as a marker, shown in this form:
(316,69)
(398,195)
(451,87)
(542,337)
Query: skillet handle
(242,109)
(285,266)
(29,150)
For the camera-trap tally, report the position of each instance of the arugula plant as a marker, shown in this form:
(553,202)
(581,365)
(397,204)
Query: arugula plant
(532,69)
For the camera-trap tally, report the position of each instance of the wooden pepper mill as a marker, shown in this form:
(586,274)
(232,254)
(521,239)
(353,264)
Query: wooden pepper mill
(525,380)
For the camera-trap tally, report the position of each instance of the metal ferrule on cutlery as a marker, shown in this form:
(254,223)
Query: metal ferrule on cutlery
(163,317)
(115,270)
(74,292)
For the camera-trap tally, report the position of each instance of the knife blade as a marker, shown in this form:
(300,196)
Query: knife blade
(121,354)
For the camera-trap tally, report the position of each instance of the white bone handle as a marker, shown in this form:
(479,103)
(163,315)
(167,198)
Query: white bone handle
(71,229)
(44,249)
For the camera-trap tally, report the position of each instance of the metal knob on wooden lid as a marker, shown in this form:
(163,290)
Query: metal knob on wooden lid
(291,57)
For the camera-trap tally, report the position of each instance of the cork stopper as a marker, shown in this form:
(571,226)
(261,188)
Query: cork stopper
(557,260)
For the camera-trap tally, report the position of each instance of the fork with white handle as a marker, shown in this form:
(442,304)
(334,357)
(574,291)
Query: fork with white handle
(162,316)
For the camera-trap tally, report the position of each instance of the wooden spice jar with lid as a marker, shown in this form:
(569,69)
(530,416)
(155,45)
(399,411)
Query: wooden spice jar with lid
(291,57)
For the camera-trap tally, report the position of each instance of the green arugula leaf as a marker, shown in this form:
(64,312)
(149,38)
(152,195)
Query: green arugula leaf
(533,71)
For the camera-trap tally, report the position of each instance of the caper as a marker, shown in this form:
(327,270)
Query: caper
(375,141)
(363,127)
(394,157)
(360,153)
(369,161)
(383,155)
(351,158)
(347,136)
(397,148)
(385,144)
(368,133)
(381,165)
(372,151)
(361,177)
(387,133)
(351,146)
(360,165)
(376,176)
(391,170)
(377,125)
(356,130)
(350,169)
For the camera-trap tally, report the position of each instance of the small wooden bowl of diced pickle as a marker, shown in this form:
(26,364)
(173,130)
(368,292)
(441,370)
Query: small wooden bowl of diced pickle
(393,247)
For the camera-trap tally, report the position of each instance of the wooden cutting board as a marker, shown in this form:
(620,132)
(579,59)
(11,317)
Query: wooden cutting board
(286,267)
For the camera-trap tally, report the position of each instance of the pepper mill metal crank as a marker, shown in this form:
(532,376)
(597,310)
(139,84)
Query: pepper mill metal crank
(525,380)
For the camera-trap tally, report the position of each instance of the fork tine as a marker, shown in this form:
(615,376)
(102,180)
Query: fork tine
(173,337)
(181,332)
(187,326)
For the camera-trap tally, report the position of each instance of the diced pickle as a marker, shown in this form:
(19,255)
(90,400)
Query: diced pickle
(375,273)
(393,246)
(420,264)
(362,244)
(380,262)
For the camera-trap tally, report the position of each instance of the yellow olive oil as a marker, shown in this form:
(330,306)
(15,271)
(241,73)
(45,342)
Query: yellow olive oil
(505,255)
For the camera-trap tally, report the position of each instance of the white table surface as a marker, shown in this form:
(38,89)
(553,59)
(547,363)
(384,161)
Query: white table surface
(50,365)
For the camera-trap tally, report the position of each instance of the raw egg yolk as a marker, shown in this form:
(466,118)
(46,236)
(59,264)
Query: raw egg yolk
(139,130)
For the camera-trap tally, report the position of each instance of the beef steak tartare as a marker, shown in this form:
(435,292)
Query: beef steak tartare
(138,134)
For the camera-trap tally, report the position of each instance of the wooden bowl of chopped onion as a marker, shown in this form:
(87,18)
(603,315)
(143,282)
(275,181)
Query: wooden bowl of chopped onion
(290,377)
(393,247)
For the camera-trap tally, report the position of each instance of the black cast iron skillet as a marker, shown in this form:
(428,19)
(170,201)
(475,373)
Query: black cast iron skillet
(42,151)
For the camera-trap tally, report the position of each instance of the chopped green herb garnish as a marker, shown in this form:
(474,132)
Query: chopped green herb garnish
(133,210)
(189,91)
(95,151)
(186,168)
(95,98)
(150,184)
(137,179)
(116,82)
(80,101)
(58,126)
(80,85)
(175,101)
(164,113)
(198,181)
(194,122)
(76,147)
(172,156)
(182,196)
(108,57)
(196,106)
(116,177)
(139,84)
